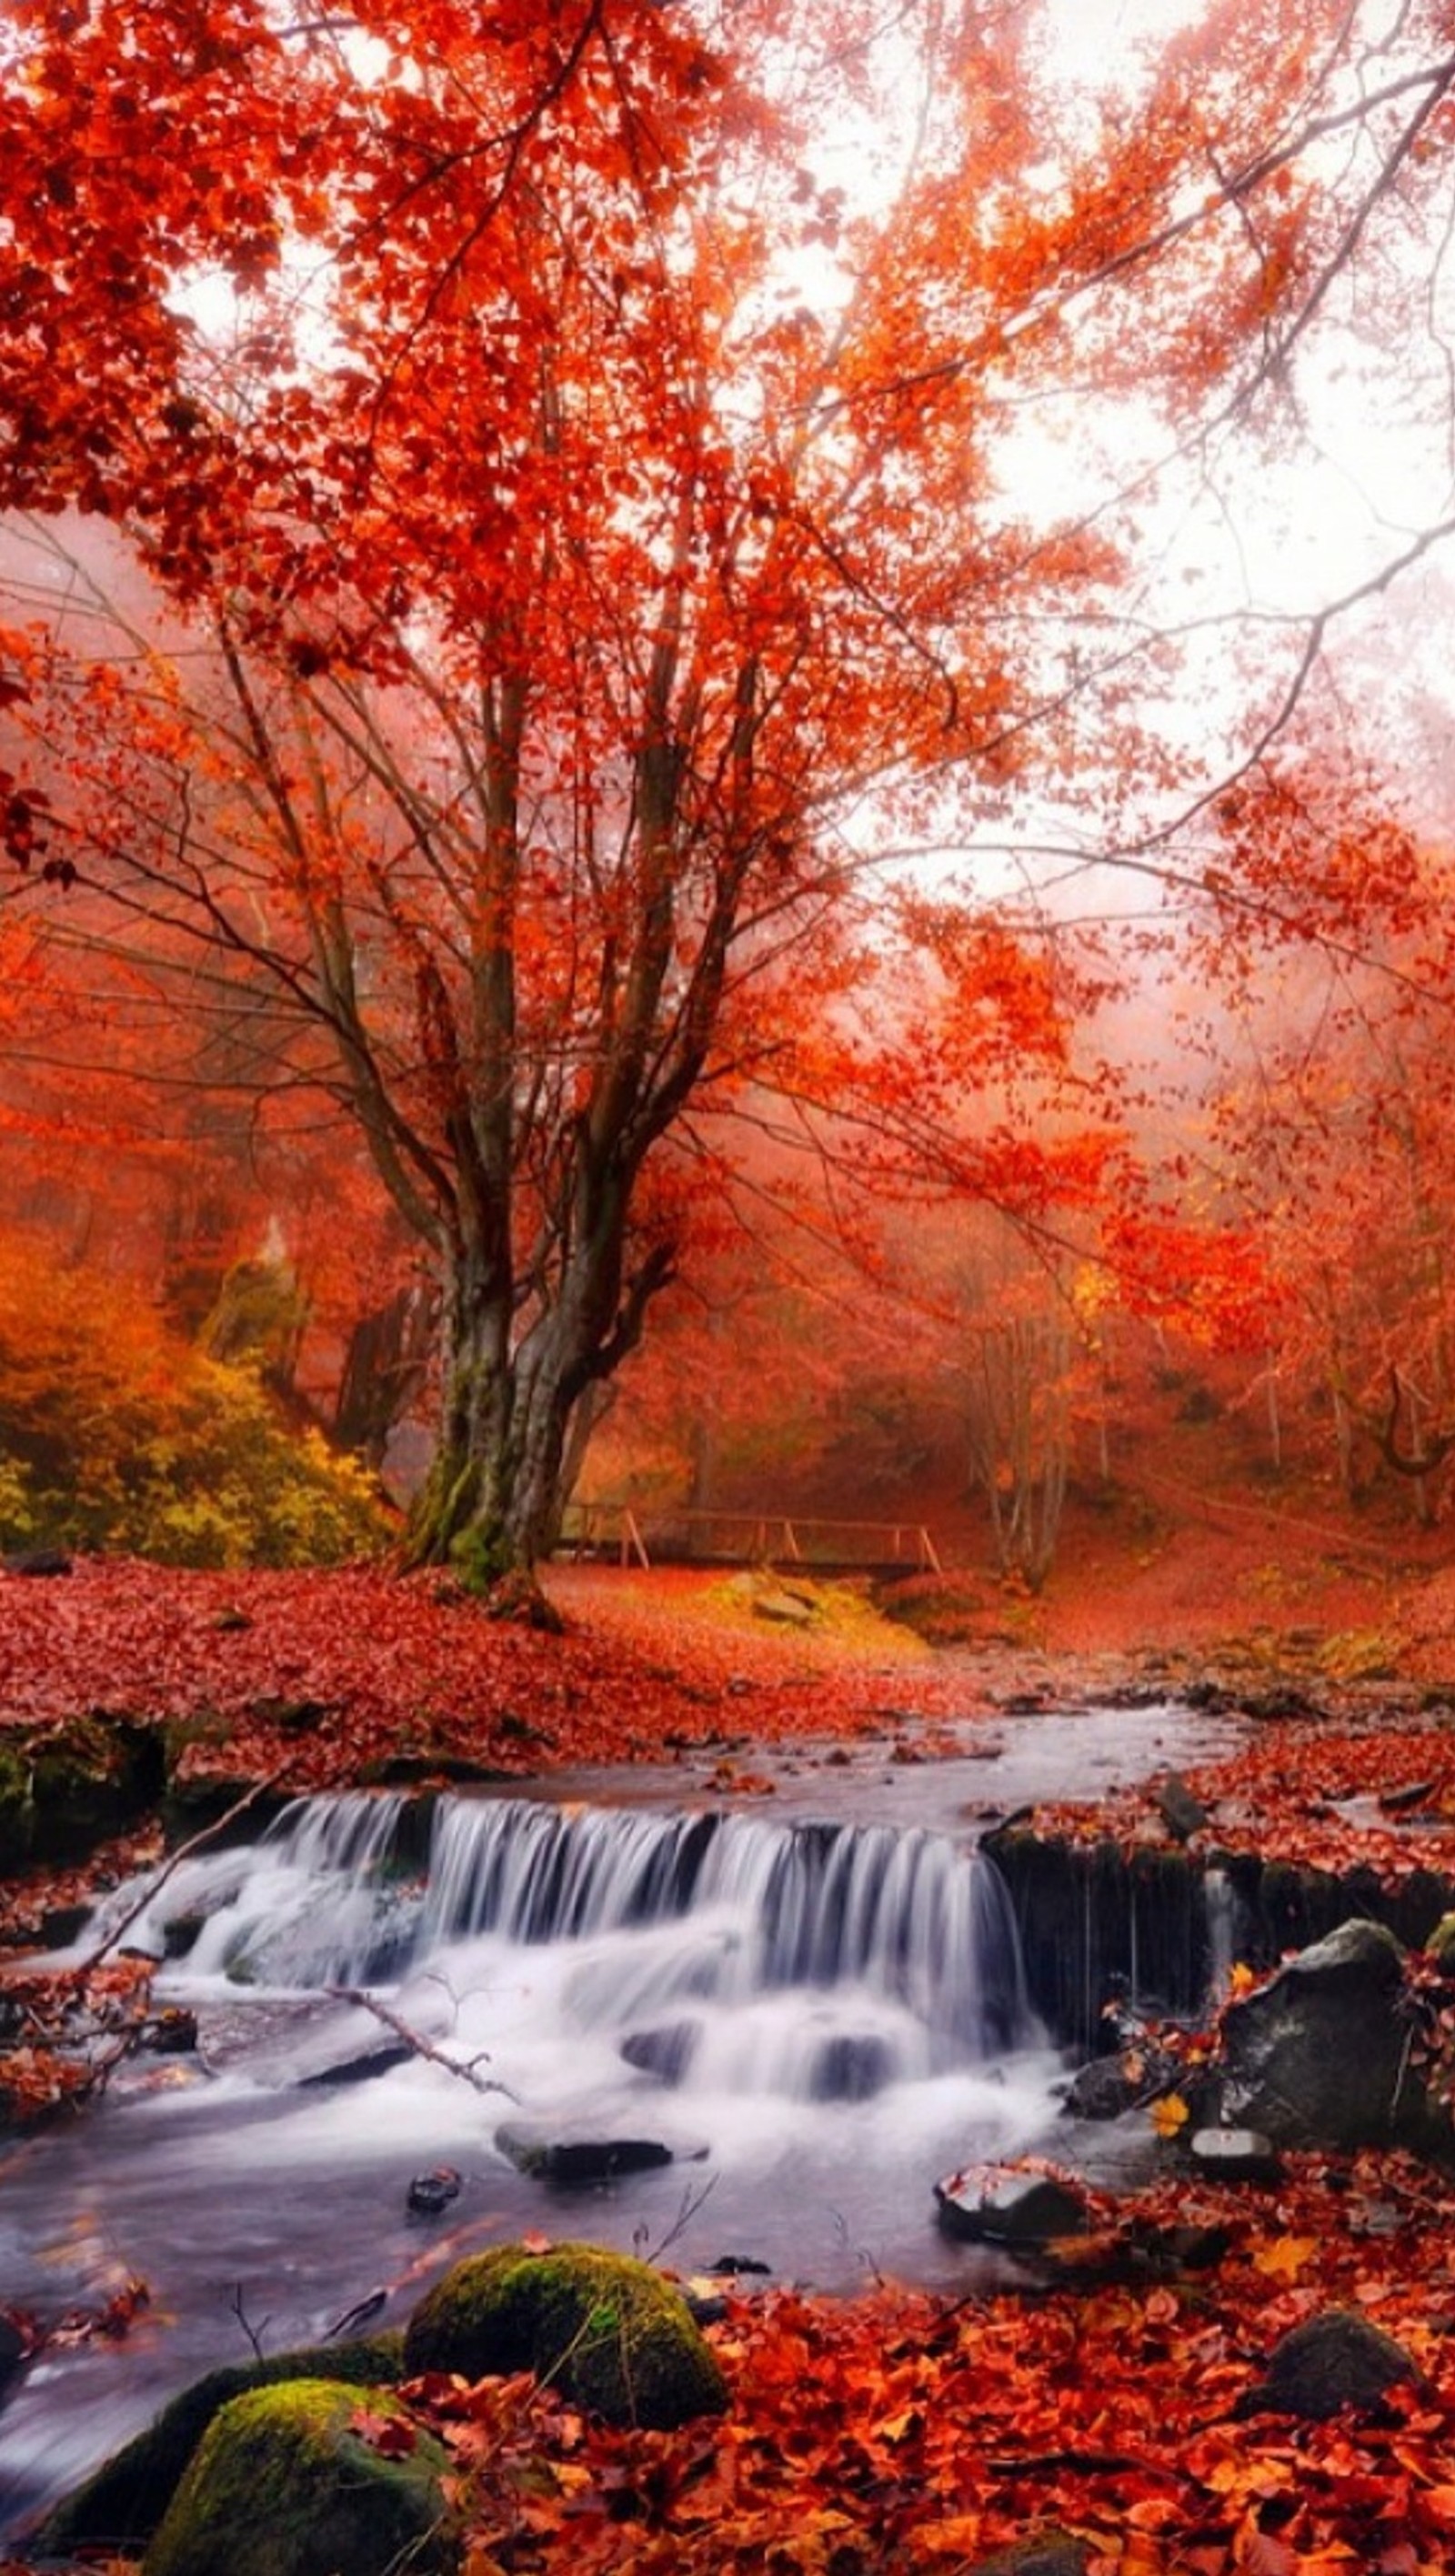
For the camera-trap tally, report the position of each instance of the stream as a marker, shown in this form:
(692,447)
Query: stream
(812,2001)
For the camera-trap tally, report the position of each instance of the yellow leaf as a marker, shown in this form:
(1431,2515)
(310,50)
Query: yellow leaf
(1169,2115)
(1285,2258)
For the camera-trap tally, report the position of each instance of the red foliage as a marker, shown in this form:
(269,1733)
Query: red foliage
(903,2432)
(337,1672)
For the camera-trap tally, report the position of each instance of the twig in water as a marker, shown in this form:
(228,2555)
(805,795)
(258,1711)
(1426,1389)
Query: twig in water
(254,2333)
(860,2253)
(691,2203)
(465,2069)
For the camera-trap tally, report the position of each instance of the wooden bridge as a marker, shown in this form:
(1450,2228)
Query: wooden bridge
(615,1532)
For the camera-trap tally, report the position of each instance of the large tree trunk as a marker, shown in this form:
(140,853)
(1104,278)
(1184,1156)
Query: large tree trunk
(492,1505)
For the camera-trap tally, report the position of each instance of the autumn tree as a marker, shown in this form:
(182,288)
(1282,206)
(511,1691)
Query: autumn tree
(565,443)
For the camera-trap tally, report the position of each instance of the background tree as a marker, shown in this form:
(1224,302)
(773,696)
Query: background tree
(583,507)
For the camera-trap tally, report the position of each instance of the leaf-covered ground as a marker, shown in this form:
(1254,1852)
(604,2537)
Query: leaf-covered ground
(897,2432)
(901,2432)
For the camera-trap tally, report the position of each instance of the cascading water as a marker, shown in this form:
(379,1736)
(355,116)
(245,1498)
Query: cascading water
(813,2019)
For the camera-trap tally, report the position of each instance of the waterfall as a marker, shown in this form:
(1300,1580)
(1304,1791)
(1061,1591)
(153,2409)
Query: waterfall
(812,1958)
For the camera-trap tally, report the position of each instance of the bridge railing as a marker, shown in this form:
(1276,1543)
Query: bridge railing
(745,1538)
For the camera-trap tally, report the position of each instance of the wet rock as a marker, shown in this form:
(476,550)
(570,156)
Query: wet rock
(362,2069)
(606,2330)
(432,2192)
(1319,2055)
(284,2484)
(999,2204)
(564,2154)
(1333,2360)
(1235,2155)
(1101,2090)
(172,2032)
(37,1562)
(122,2502)
(666,2051)
(1181,1813)
(849,2068)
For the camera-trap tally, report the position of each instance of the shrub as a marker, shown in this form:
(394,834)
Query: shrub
(117,1435)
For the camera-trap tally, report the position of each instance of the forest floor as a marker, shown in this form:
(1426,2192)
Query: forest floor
(899,2432)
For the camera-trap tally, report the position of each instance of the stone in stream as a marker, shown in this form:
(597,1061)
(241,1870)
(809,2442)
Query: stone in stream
(363,2068)
(1002,2205)
(850,2068)
(665,2051)
(432,2192)
(587,2152)
(1319,2055)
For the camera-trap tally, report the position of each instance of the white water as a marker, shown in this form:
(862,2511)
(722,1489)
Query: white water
(842,2008)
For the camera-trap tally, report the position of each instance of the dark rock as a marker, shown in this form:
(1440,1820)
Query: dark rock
(666,2051)
(37,1561)
(1319,2055)
(1235,2155)
(1181,1813)
(1333,2360)
(363,2068)
(609,2332)
(60,1925)
(432,2192)
(564,2155)
(171,2032)
(735,2263)
(1001,2205)
(1101,2090)
(850,2069)
(180,1934)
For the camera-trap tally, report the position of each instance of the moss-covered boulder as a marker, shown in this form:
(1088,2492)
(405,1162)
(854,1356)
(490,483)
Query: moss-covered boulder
(286,2482)
(122,2502)
(607,2331)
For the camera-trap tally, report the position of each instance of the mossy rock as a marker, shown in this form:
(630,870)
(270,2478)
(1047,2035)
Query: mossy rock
(91,1777)
(122,2501)
(606,2330)
(282,2484)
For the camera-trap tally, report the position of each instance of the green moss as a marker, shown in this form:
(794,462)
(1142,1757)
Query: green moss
(608,2331)
(282,2484)
(123,2501)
